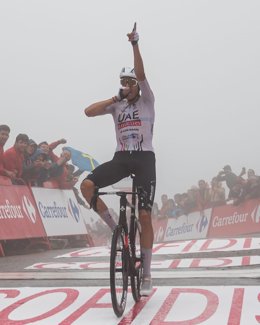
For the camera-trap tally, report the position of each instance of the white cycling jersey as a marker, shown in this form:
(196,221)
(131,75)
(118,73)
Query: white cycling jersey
(134,122)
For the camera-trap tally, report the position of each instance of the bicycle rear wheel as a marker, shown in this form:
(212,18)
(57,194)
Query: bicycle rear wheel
(136,275)
(118,272)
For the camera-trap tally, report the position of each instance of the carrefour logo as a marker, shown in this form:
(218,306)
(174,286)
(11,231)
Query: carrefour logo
(255,215)
(73,210)
(29,209)
(182,229)
(52,210)
(202,223)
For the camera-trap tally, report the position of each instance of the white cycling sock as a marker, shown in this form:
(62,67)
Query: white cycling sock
(147,259)
(108,219)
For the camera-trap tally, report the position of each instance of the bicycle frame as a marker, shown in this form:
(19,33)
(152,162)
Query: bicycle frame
(124,234)
(128,236)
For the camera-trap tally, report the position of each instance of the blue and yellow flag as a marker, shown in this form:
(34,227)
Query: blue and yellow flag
(82,160)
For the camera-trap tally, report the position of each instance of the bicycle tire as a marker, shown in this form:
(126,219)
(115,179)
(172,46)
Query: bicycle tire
(135,278)
(118,272)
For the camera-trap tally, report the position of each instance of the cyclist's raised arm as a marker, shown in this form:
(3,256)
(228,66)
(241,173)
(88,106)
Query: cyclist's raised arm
(138,63)
(98,108)
(133,37)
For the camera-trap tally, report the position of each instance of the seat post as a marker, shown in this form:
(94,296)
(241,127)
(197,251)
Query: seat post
(133,195)
(122,210)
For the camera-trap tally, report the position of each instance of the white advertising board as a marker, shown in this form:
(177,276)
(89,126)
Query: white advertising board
(59,211)
(192,226)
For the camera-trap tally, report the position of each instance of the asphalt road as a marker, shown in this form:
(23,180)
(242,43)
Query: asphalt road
(85,268)
(14,269)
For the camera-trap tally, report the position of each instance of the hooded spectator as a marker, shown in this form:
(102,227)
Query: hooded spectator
(35,173)
(27,163)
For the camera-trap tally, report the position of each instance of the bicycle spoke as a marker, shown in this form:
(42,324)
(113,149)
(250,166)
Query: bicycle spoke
(136,260)
(118,272)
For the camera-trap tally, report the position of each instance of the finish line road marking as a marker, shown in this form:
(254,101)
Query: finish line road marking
(182,247)
(218,262)
(80,306)
(182,274)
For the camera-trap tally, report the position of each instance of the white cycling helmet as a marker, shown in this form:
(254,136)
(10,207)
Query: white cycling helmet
(127,72)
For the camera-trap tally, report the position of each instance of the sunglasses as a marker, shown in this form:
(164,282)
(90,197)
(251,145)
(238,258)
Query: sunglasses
(128,81)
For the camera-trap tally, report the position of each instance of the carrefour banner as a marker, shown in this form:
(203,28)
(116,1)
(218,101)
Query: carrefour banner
(19,217)
(192,226)
(59,212)
(234,220)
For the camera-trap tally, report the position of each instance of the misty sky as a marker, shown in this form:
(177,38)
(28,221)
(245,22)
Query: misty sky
(201,59)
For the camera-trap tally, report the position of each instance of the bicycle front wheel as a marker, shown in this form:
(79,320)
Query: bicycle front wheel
(118,271)
(136,274)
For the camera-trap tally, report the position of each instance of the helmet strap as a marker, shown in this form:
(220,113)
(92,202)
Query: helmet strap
(134,100)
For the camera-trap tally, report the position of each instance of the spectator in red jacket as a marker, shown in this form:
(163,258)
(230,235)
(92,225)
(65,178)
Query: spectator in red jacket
(14,157)
(4,135)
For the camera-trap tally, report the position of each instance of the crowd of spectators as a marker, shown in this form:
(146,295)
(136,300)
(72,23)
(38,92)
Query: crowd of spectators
(29,163)
(199,197)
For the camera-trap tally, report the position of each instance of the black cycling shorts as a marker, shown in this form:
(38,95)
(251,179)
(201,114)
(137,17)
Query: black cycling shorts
(125,163)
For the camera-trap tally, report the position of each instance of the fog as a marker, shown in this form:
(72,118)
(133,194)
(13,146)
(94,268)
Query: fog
(201,59)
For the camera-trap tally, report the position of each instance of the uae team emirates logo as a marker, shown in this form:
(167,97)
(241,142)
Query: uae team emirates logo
(29,209)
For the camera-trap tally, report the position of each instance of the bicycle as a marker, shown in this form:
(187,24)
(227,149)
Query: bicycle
(125,258)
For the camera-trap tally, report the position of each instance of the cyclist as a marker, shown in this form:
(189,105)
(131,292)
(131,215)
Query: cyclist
(133,113)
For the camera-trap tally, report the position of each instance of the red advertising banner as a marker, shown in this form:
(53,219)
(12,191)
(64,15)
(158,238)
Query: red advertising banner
(19,216)
(231,220)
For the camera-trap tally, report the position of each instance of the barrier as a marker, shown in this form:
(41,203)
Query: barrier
(19,216)
(233,220)
(223,221)
(30,213)
(38,214)
(192,226)
(59,211)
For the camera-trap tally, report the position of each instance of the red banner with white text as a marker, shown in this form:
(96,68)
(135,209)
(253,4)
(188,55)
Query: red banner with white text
(19,216)
(232,220)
